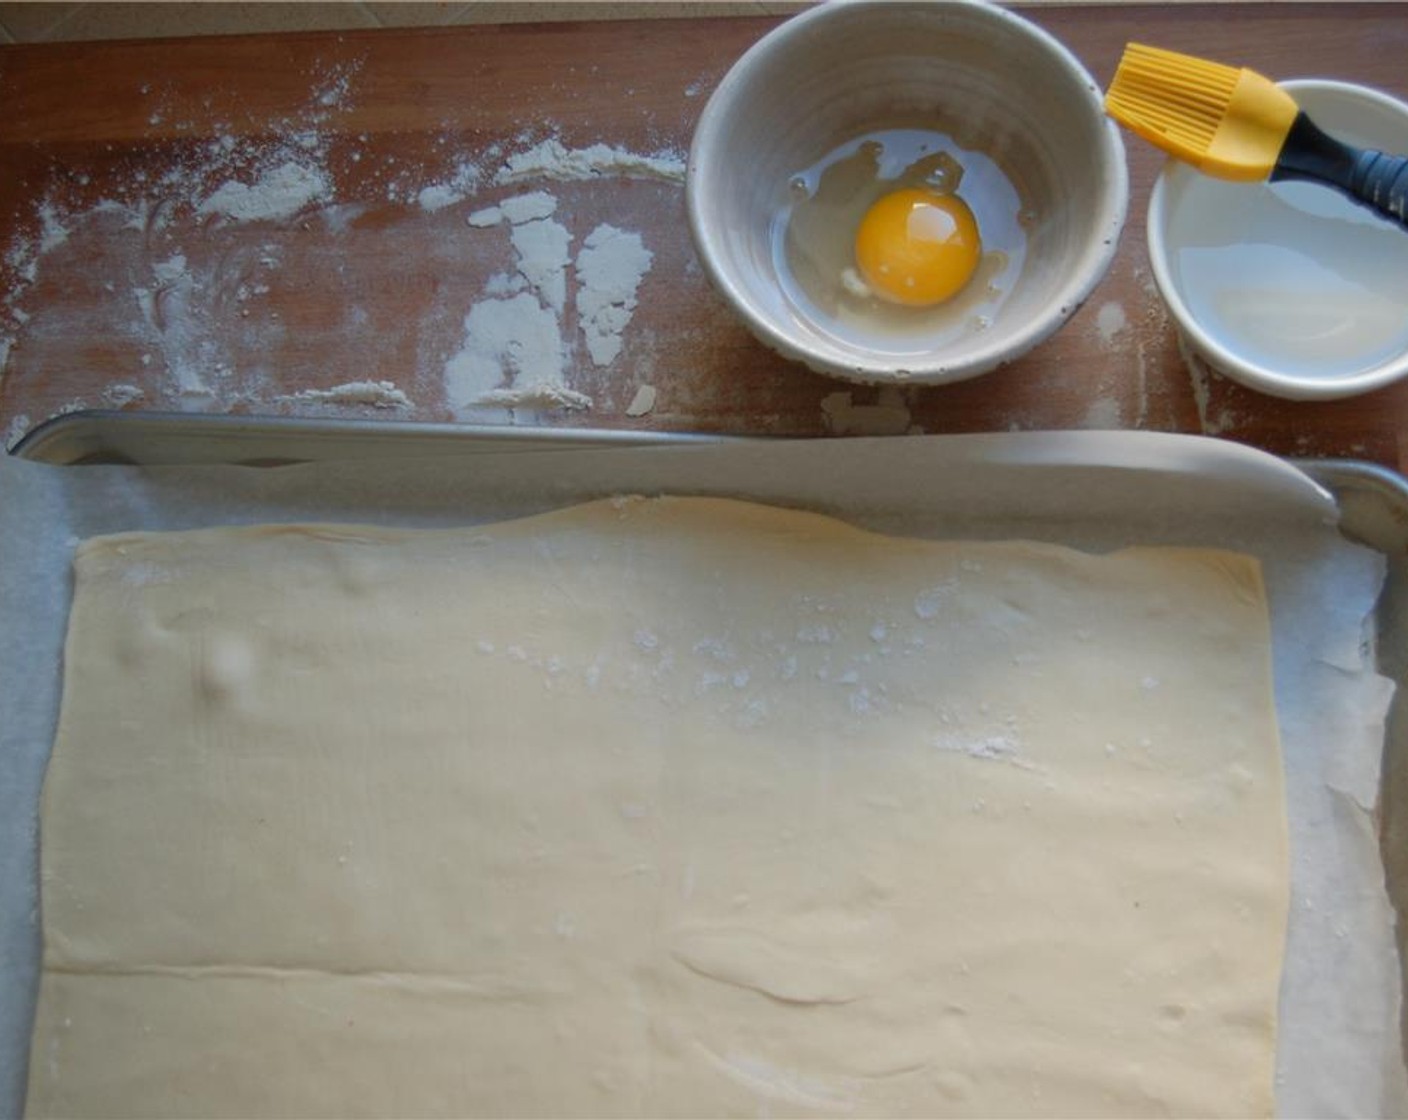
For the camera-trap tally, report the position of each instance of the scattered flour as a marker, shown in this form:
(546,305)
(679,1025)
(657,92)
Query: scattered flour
(888,416)
(16,430)
(528,207)
(438,197)
(541,395)
(119,395)
(457,188)
(989,747)
(520,208)
(378,394)
(551,159)
(502,284)
(1103,414)
(182,326)
(22,258)
(517,337)
(542,258)
(505,341)
(1110,321)
(609,269)
(276,195)
(52,232)
(333,89)
(170,270)
(1201,378)
(929,603)
(514,352)
(642,402)
(180,307)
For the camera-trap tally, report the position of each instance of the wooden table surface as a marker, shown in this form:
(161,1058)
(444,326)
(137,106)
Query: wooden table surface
(118,292)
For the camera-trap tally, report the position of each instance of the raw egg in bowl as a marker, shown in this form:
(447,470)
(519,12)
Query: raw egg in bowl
(917,247)
(906,190)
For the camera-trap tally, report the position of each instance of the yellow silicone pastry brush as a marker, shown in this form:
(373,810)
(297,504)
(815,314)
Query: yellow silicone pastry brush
(1237,124)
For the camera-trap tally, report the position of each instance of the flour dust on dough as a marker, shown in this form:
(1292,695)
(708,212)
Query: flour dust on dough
(659,808)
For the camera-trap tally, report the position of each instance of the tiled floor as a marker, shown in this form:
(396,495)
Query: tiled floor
(37,22)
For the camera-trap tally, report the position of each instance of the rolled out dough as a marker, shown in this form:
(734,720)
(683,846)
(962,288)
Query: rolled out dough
(662,808)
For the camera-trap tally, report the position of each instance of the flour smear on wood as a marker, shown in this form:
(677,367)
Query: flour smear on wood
(192,247)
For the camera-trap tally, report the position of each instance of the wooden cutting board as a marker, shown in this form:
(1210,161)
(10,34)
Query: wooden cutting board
(132,305)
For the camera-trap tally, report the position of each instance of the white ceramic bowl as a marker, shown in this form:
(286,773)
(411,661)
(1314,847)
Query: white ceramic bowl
(963,67)
(1289,288)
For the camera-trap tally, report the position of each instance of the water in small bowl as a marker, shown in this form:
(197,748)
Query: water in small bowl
(1289,288)
(1292,277)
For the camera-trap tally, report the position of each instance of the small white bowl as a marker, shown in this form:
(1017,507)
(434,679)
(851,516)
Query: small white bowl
(1289,288)
(845,69)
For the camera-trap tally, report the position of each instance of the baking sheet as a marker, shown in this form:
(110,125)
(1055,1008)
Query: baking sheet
(152,438)
(1339,1052)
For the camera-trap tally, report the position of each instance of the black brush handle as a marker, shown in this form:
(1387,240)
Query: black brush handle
(1368,177)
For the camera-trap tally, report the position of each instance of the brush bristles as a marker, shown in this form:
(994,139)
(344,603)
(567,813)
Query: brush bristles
(1176,95)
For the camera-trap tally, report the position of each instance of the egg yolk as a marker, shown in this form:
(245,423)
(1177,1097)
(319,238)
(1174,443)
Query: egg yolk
(916,247)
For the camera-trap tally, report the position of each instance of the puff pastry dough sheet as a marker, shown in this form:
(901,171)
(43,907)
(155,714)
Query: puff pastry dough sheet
(670,807)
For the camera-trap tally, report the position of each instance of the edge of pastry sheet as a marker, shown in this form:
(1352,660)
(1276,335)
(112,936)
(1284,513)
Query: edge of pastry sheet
(1339,1049)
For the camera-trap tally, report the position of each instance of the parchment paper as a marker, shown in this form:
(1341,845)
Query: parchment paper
(1339,1050)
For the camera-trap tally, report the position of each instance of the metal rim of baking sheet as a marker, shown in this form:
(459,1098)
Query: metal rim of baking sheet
(168,438)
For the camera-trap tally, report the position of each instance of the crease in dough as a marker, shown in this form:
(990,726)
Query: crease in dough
(750,959)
